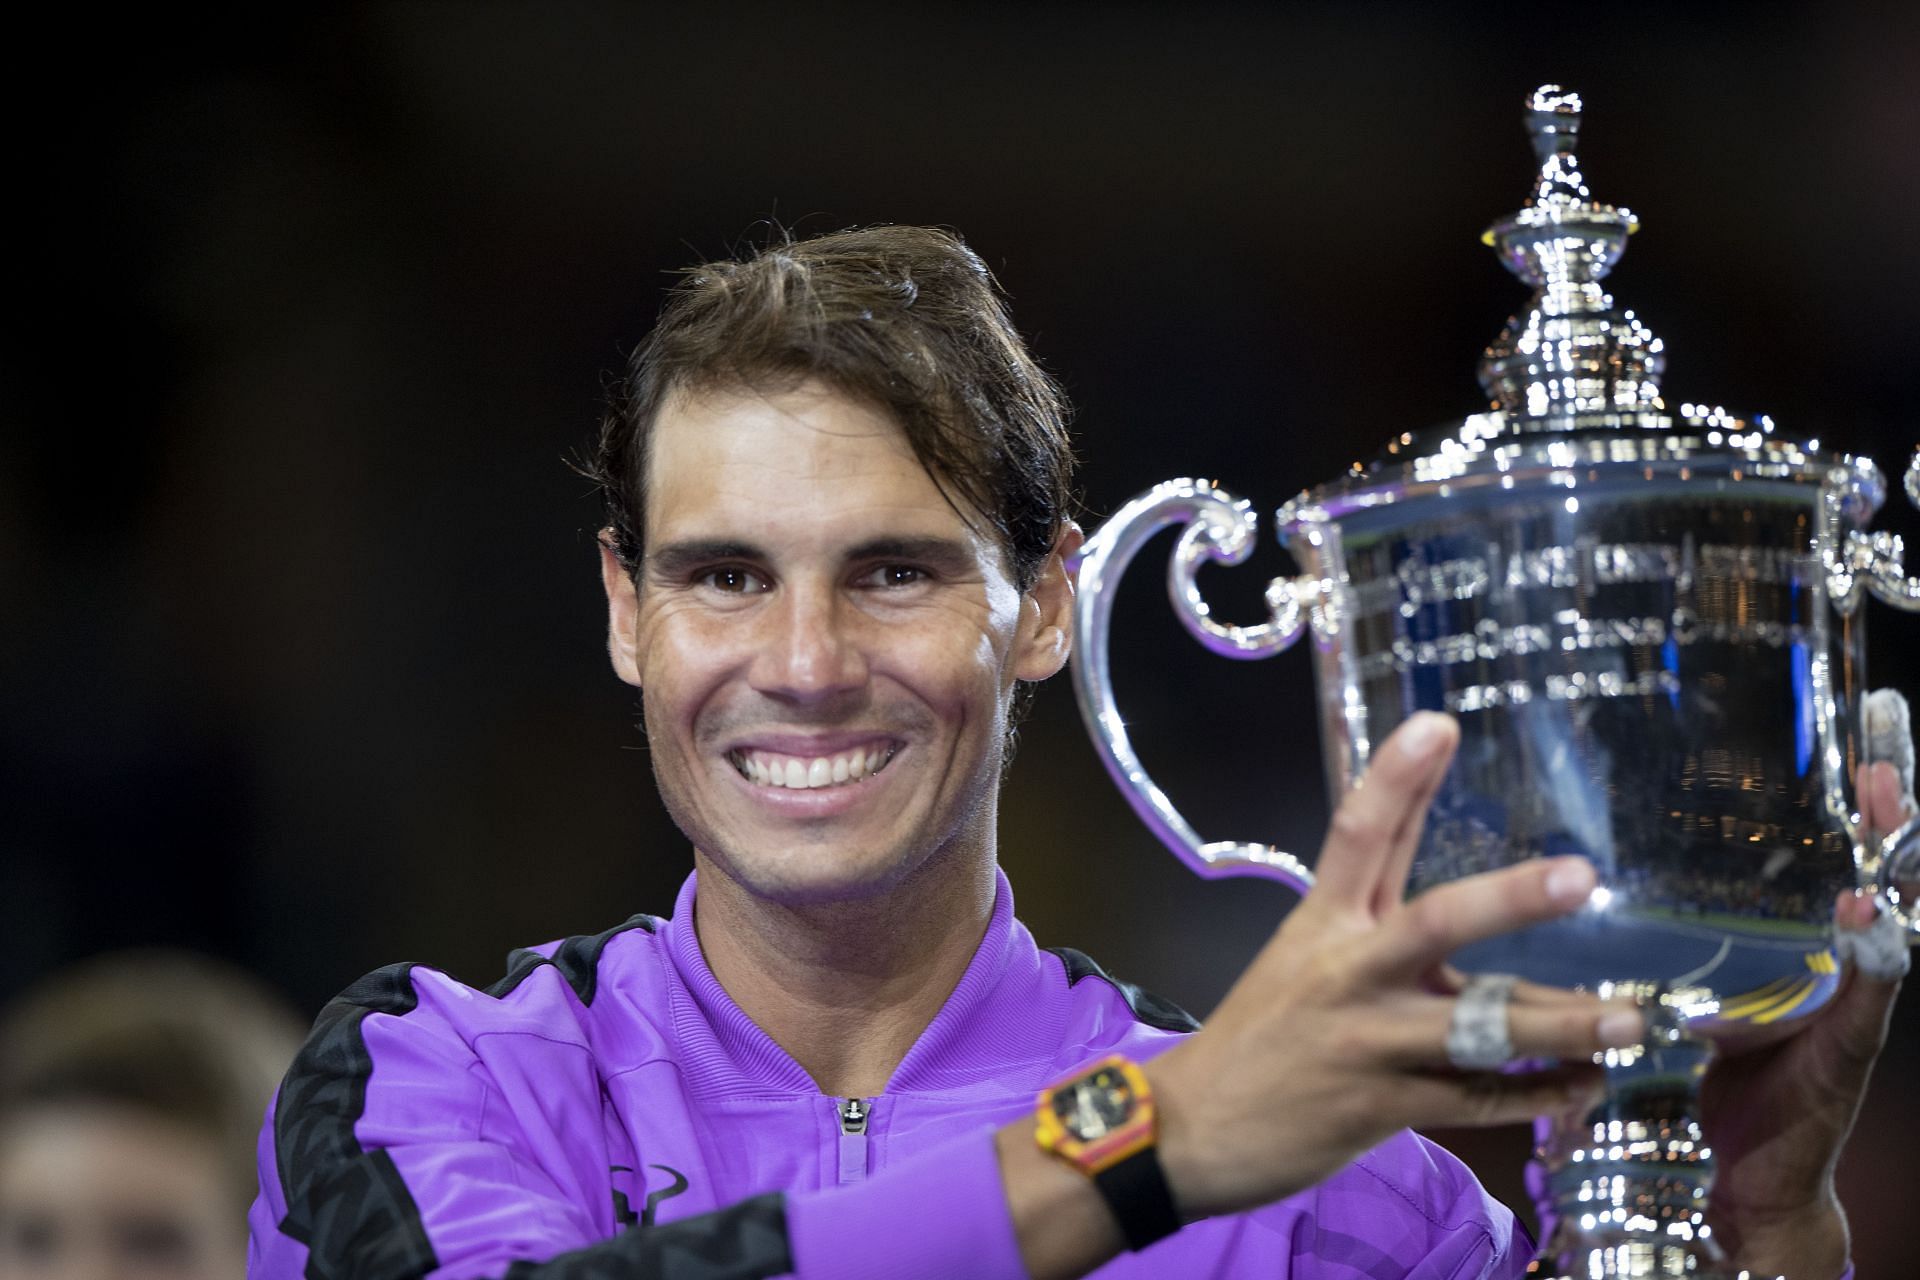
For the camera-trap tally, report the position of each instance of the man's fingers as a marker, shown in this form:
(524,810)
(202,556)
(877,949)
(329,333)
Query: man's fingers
(1451,981)
(1877,960)
(1575,1029)
(1445,918)
(1877,949)
(1854,909)
(1883,798)
(1483,1098)
(1374,817)
(1391,887)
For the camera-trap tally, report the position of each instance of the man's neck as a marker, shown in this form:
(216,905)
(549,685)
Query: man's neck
(847,987)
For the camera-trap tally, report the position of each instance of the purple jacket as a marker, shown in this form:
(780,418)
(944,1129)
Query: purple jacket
(606,1110)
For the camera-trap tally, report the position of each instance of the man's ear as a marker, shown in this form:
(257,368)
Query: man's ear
(1046,611)
(623,612)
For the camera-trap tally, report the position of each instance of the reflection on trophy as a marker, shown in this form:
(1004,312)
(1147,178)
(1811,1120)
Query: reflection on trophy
(1647,619)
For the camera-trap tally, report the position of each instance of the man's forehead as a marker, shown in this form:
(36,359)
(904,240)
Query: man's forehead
(807,419)
(728,459)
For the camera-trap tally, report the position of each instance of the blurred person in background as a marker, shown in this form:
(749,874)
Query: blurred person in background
(131,1089)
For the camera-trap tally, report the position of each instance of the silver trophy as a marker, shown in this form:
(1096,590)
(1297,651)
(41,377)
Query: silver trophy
(1647,620)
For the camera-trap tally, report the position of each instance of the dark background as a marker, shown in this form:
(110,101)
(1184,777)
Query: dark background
(302,649)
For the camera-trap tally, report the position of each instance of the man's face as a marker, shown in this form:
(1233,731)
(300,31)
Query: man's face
(97,1192)
(824,646)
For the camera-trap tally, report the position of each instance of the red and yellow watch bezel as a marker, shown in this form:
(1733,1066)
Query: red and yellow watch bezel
(1092,1156)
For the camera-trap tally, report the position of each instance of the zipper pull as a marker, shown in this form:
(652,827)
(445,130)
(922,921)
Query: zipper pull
(853,1138)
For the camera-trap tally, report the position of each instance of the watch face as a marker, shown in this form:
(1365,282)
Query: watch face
(1094,1106)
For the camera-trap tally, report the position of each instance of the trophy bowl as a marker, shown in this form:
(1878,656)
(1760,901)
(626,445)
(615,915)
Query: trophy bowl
(1647,621)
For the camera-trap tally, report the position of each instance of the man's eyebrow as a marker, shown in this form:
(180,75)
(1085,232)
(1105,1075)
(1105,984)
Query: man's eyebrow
(944,553)
(676,558)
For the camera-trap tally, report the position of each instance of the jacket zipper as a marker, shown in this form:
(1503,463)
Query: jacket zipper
(853,1138)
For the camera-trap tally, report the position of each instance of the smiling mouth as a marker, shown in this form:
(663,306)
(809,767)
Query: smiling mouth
(804,773)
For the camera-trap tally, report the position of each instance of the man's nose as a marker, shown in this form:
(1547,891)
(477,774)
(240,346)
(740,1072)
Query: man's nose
(811,648)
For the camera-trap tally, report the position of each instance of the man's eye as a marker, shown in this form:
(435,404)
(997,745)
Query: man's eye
(897,575)
(28,1240)
(733,581)
(158,1243)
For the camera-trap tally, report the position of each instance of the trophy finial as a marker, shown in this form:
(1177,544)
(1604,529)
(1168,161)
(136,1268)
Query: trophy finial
(1571,354)
(1553,119)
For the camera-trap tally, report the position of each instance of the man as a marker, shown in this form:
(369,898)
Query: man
(130,1093)
(838,543)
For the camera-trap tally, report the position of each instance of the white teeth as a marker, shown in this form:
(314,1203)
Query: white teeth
(807,774)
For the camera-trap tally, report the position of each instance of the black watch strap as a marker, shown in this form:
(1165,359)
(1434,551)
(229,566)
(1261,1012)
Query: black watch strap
(1137,1192)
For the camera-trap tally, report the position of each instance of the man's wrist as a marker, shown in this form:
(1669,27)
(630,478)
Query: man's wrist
(1063,1226)
(1202,1182)
(1103,1122)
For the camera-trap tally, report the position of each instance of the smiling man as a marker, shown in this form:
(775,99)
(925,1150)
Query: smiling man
(826,651)
(838,544)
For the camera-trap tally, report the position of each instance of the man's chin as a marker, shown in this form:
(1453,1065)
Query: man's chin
(798,881)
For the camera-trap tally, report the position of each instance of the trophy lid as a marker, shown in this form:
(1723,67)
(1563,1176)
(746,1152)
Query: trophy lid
(1572,353)
(1573,379)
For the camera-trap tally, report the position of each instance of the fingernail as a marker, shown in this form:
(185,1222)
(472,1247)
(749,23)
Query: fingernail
(1570,881)
(1618,1030)
(1423,734)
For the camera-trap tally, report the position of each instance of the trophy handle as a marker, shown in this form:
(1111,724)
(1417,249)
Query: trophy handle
(1892,874)
(1879,560)
(1219,527)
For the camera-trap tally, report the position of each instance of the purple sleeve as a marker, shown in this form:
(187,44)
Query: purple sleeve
(393,1151)
(270,1252)
(941,1215)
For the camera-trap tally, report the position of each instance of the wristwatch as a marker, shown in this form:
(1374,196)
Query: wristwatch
(1102,1121)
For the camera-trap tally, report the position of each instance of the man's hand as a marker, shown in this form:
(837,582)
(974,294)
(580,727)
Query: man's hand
(1335,1036)
(1779,1115)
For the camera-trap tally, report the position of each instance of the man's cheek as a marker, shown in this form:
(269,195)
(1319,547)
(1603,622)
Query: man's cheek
(675,638)
(657,611)
(989,633)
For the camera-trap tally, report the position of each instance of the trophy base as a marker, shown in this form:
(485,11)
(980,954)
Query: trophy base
(1627,1182)
(1623,1258)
